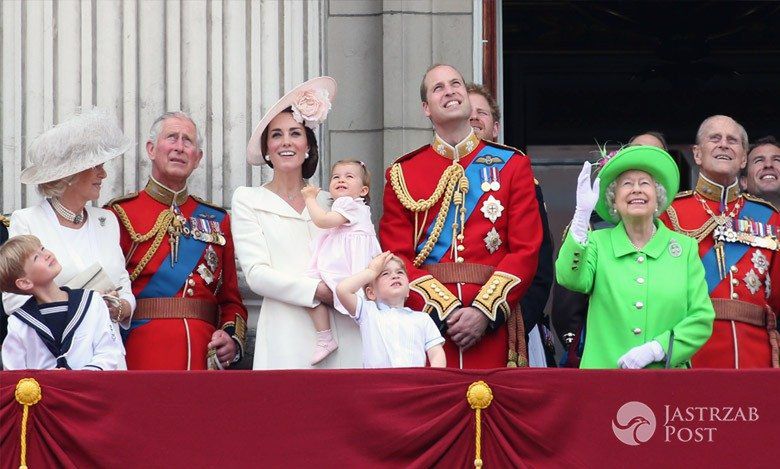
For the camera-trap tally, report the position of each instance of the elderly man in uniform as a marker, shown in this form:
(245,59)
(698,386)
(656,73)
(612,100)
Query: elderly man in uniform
(737,235)
(485,120)
(180,256)
(761,176)
(463,215)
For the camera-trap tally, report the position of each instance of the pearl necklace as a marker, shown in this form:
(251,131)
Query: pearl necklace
(64,212)
(652,233)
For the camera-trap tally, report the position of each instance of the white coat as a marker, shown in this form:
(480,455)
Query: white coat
(273,245)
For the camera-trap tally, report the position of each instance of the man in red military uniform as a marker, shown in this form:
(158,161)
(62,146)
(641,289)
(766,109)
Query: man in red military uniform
(180,256)
(463,215)
(738,245)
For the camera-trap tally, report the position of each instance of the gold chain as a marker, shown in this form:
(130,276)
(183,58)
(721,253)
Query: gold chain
(158,232)
(446,187)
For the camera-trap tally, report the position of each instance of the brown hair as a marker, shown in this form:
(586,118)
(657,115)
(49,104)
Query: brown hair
(424,88)
(310,163)
(768,140)
(366,175)
(392,258)
(13,254)
(482,91)
(653,133)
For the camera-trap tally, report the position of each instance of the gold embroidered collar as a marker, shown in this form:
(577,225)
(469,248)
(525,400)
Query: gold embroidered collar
(165,195)
(466,146)
(714,191)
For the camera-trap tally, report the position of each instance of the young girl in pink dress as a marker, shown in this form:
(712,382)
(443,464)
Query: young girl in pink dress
(348,244)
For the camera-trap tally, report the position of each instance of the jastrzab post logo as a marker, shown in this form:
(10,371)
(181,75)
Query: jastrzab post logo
(634,423)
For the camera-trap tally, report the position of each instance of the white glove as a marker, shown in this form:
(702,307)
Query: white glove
(641,356)
(587,196)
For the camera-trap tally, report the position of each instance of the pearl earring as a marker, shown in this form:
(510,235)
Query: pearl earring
(306,155)
(267,158)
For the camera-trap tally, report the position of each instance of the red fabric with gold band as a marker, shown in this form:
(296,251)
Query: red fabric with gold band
(733,344)
(518,227)
(178,344)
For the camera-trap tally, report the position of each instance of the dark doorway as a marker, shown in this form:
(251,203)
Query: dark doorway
(579,71)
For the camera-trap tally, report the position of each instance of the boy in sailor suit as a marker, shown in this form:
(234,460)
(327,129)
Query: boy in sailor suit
(58,328)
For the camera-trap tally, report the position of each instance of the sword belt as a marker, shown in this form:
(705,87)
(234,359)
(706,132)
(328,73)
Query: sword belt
(176,308)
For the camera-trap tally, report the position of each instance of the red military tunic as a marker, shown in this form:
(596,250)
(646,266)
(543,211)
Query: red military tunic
(487,262)
(740,283)
(203,280)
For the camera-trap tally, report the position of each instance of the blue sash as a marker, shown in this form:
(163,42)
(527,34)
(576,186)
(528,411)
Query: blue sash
(733,251)
(472,172)
(167,281)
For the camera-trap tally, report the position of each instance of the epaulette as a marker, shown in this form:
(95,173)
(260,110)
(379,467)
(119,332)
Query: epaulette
(410,154)
(5,221)
(504,147)
(759,200)
(682,194)
(209,203)
(121,198)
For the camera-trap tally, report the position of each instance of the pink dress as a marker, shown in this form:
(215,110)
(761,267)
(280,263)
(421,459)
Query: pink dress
(347,249)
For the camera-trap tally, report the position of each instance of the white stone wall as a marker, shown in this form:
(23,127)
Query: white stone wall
(225,62)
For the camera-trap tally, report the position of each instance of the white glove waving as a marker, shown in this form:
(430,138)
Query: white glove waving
(641,356)
(587,196)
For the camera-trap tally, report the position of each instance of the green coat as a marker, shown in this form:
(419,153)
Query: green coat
(638,296)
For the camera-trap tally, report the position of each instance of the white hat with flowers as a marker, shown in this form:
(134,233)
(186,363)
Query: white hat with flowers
(310,103)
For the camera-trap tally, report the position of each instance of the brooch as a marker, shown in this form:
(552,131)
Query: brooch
(492,209)
(492,240)
(752,281)
(674,248)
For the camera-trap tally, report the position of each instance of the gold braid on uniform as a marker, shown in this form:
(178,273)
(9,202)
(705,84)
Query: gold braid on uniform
(158,231)
(445,190)
(699,233)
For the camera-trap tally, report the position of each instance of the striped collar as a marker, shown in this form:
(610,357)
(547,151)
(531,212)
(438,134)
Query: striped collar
(466,146)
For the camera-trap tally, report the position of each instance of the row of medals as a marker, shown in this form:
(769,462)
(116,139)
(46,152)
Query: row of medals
(180,226)
(725,232)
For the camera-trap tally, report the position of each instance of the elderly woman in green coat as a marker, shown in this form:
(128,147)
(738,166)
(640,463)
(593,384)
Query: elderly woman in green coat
(649,304)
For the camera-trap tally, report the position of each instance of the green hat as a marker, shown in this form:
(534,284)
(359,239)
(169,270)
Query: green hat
(652,160)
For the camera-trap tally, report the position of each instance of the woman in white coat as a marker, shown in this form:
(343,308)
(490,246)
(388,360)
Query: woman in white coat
(66,165)
(273,232)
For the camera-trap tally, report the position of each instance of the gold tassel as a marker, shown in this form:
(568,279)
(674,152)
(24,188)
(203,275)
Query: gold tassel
(479,396)
(720,257)
(28,392)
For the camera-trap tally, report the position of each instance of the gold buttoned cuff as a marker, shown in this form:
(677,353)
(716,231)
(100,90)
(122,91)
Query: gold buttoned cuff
(437,297)
(491,298)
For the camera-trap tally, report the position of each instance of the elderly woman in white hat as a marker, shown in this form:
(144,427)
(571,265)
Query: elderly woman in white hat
(272,232)
(66,165)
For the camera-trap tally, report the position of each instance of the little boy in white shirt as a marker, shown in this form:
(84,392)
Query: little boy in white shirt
(393,335)
(58,328)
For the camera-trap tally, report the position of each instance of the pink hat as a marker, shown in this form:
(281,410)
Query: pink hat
(310,103)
